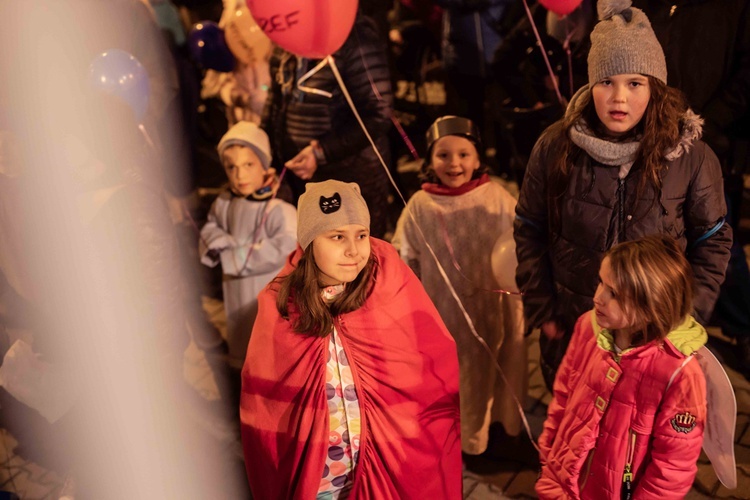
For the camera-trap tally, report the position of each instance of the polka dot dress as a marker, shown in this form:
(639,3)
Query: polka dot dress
(343,410)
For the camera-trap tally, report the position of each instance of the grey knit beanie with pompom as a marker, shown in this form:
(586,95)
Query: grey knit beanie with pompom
(624,42)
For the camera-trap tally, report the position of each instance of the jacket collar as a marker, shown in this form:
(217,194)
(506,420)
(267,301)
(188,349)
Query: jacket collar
(685,339)
(434,188)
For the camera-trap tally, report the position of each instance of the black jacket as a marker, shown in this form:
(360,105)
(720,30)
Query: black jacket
(558,262)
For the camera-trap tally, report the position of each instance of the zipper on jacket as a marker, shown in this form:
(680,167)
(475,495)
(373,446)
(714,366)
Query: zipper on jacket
(626,491)
(620,210)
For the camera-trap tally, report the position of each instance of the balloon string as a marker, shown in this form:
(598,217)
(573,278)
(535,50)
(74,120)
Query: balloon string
(405,137)
(544,54)
(568,53)
(307,76)
(446,238)
(193,224)
(266,211)
(440,268)
(393,118)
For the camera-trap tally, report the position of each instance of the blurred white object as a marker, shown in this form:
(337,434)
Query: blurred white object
(42,386)
(504,262)
(718,436)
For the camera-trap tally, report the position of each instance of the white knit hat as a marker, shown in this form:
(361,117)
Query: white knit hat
(249,135)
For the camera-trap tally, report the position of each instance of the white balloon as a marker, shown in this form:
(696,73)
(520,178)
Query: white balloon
(504,261)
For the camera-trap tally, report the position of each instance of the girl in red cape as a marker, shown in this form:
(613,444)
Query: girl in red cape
(350,384)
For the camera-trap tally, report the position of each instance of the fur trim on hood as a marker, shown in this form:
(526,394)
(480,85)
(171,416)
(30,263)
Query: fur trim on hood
(692,130)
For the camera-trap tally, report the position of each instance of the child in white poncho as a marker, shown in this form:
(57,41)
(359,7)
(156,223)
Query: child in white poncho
(462,213)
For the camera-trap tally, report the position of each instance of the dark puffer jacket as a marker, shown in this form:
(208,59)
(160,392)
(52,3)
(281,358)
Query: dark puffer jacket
(292,118)
(558,263)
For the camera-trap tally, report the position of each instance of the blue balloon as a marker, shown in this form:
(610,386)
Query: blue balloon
(209,48)
(118,73)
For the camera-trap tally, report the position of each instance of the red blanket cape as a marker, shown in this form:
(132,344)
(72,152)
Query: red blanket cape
(405,370)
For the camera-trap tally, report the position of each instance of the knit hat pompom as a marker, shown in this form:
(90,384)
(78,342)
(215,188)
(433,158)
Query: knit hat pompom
(623,42)
(609,8)
(329,205)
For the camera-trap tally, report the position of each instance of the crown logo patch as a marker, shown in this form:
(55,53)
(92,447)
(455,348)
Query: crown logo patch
(683,422)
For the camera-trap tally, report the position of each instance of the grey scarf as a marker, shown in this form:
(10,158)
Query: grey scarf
(616,154)
(623,154)
(606,152)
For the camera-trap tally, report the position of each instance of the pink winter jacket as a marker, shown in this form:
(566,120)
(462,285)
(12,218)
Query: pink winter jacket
(609,410)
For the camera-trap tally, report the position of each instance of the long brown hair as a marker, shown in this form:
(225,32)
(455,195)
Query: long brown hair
(658,131)
(654,283)
(299,292)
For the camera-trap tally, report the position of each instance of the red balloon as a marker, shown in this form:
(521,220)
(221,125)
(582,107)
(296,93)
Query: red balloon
(561,7)
(307,28)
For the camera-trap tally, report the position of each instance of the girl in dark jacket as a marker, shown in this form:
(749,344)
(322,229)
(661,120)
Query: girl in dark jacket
(625,161)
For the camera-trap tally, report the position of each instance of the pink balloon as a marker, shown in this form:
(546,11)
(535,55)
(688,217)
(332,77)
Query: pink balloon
(308,28)
(561,7)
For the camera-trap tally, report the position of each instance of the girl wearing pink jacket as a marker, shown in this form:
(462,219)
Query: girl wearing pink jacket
(629,404)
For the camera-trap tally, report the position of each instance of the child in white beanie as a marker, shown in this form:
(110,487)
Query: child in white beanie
(350,386)
(248,231)
(625,161)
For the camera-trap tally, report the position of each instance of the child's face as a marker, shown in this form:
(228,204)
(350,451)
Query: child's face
(454,160)
(620,101)
(609,311)
(244,170)
(341,254)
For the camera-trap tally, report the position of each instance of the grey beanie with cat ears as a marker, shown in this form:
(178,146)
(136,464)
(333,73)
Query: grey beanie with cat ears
(329,205)
(623,42)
